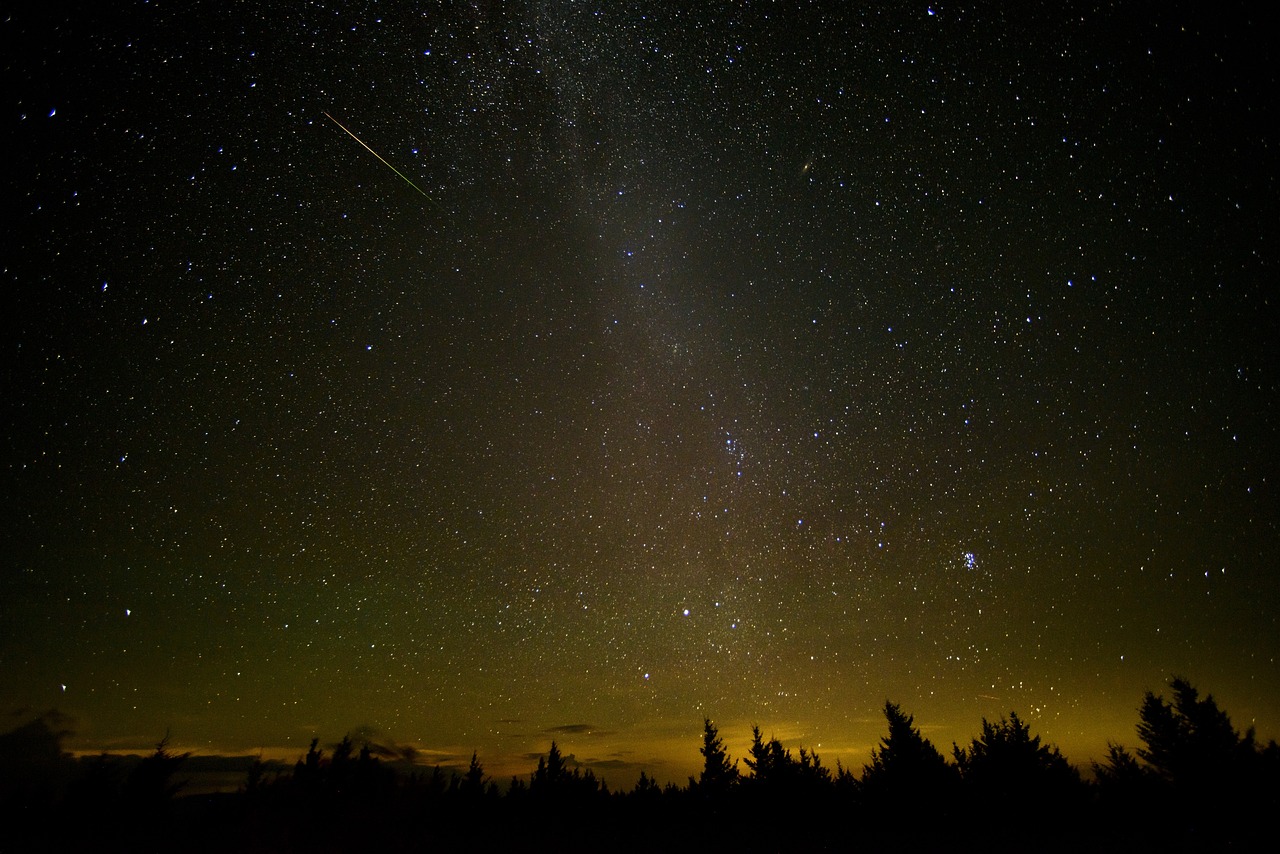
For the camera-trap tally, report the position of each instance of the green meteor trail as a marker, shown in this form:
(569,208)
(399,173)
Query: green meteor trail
(380,157)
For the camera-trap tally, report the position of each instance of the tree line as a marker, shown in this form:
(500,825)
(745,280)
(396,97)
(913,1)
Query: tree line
(1193,783)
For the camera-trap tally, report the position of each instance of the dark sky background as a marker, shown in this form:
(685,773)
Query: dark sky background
(753,360)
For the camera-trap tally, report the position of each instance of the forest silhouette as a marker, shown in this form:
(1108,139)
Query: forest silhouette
(1194,783)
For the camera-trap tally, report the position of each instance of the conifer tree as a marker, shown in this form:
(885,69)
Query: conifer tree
(1189,739)
(473,780)
(718,774)
(1007,760)
(906,770)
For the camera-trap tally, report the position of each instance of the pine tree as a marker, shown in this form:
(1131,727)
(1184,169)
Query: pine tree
(1189,740)
(718,774)
(473,780)
(906,770)
(646,788)
(551,773)
(150,785)
(1007,760)
(758,757)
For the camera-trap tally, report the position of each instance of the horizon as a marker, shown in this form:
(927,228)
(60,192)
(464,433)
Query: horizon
(674,768)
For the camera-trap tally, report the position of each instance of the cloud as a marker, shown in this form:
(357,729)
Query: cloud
(611,765)
(618,770)
(578,729)
(386,748)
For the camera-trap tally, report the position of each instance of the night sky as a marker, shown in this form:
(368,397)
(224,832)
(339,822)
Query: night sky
(759,361)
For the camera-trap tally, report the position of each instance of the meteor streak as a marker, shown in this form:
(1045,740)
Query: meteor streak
(379,156)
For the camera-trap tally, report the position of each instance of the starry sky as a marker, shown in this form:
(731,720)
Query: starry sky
(468,375)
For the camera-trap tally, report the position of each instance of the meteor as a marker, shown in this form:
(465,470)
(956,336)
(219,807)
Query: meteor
(379,156)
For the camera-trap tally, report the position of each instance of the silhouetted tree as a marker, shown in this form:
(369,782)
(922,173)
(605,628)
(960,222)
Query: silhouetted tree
(775,770)
(846,782)
(255,777)
(473,780)
(517,789)
(341,770)
(1190,742)
(342,751)
(436,783)
(1193,784)
(1125,786)
(646,788)
(1009,764)
(1120,768)
(306,773)
(906,770)
(591,784)
(810,772)
(554,779)
(551,773)
(1212,773)
(718,773)
(371,780)
(150,785)
(767,760)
